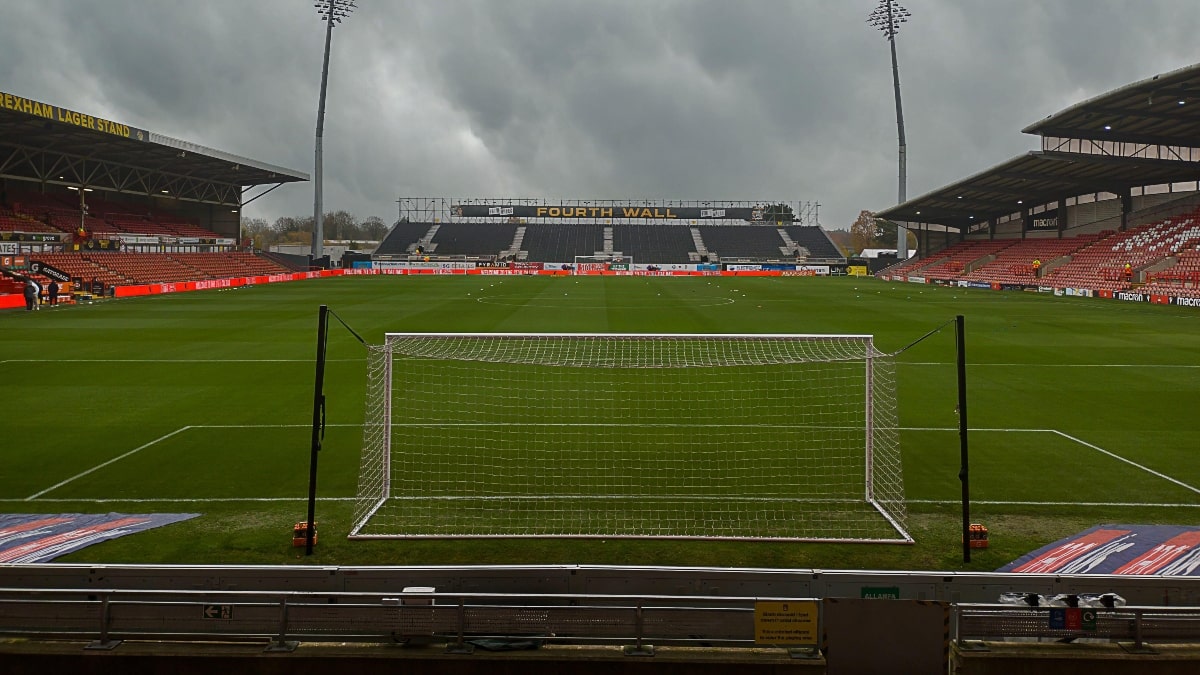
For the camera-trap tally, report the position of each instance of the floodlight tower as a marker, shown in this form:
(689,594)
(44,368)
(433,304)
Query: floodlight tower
(887,17)
(332,12)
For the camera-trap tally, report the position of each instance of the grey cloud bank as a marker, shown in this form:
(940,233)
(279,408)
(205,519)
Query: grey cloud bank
(671,99)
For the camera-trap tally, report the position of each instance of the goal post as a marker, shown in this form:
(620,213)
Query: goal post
(772,437)
(605,264)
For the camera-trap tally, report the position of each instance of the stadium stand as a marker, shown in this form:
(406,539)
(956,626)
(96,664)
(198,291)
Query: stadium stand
(11,285)
(815,239)
(33,212)
(753,242)
(1181,278)
(229,264)
(667,244)
(561,242)
(473,239)
(144,267)
(1101,265)
(914,264)
(117,269)
(11,221)
(1015,264)
(179,225)
(404,236)
(645,243)
(36,204)
(1165,250)
(116,219)
(953,261)
(83,267)
(1140,206)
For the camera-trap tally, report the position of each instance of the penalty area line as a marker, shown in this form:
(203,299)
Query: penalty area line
(1129,462)
(104,464)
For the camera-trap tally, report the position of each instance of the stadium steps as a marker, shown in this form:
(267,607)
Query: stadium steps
(789,247)
(426,241)
(815,240)
(701,249)
(514,248)
(976,264)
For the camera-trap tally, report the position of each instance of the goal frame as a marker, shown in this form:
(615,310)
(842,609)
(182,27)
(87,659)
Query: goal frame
(607,261)
(869,496)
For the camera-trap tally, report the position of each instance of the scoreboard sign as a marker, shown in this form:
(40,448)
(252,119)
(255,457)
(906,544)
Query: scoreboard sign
(627,211)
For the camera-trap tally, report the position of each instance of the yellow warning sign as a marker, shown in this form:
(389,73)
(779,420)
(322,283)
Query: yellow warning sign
(786,623)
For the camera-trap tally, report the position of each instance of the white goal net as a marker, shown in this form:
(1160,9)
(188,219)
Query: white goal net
(786,437)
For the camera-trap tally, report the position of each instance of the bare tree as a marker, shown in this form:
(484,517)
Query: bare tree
(258,231)
(374,229)
(864,233)
(340,225)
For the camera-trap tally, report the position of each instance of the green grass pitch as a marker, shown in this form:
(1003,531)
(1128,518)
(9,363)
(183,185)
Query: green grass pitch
(1082,411)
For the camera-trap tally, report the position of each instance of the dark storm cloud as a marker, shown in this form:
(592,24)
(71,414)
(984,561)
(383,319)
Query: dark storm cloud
(562,98)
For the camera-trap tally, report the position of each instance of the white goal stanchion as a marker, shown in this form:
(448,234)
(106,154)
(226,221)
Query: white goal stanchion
(777,437)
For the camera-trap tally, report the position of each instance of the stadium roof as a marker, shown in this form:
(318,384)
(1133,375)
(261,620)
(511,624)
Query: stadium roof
(1163,110)
(46,143)
(1037,177)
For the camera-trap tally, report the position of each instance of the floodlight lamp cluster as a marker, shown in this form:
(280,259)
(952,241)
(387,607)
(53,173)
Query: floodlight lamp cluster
(334,11)
(888,16)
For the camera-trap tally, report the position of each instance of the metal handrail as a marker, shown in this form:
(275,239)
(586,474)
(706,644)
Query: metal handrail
(109,616)
(282,619)
(1133,624)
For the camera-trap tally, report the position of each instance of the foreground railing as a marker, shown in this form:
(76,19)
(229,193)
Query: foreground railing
(108,617)
(1132,627)
(282,620)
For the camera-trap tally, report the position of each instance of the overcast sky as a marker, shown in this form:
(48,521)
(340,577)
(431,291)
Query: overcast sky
(592,99)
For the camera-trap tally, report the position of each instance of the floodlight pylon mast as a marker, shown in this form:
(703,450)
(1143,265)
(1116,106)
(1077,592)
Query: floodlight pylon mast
(887,17)
(332,12)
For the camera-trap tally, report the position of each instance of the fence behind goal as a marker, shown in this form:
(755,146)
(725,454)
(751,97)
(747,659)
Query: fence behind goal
(787,437)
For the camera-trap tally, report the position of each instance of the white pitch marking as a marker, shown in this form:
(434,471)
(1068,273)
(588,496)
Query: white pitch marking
(1032,431)
(1077,440)
(571,424)
(101,466)
(266,426)
(903,363)
(545,424)
(175,500)
(997,502)
(205,500)
(168,360)
(1054,365)
(1129,462)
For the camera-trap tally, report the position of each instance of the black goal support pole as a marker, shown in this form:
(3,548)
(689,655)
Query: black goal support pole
(318,428)
(963,474)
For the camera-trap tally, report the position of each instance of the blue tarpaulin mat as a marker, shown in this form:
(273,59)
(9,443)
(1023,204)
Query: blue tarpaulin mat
(43,537)
(1161,550)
